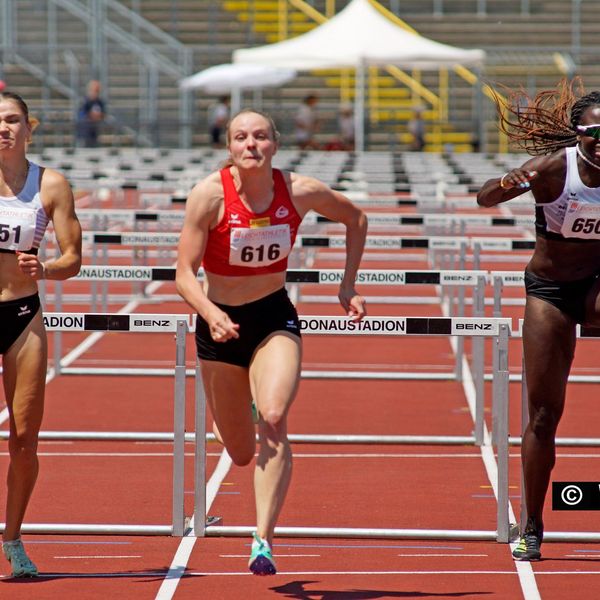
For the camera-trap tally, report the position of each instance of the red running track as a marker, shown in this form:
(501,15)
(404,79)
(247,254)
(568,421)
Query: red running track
(392,486)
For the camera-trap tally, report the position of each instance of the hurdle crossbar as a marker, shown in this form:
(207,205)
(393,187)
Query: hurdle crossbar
(178,324)
(497,329)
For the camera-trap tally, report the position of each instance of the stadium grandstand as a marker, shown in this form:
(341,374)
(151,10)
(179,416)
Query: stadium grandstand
(140,50)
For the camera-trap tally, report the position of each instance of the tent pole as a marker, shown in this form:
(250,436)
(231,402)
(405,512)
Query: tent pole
(236,100)
(359,107)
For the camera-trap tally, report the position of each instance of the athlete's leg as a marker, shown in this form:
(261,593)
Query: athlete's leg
(274,376)
(228,395)
(24,381)
(549,346)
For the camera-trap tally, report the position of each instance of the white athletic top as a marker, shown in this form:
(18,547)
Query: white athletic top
(23,220)
(575,214)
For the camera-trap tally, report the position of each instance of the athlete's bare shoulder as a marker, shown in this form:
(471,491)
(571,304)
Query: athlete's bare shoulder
(55,191)
(304,185)
(551,171)
(207,194)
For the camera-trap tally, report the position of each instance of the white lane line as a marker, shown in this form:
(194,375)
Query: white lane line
(182,555)
(94,556)
(137,575)
(278,555)
(442,554)
(380,573)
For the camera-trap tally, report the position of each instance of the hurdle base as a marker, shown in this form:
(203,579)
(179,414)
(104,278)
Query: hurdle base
(95,529)
(355,533)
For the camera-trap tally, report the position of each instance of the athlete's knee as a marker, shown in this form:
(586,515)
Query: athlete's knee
(23,451)
(544,423)
(274,418)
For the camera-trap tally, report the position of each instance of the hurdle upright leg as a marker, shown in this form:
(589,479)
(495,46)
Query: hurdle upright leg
(500,400)
(179,431)
(200,456)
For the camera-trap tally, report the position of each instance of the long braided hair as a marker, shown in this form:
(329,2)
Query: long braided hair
(548,121)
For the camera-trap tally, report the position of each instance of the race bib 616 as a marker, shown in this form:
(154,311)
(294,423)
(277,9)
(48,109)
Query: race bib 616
(260,246)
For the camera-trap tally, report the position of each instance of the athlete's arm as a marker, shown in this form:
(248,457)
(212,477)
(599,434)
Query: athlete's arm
(201,212)
(542,175)
(57,198)
(309,193)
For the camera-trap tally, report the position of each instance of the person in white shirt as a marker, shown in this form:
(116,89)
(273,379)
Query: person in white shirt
(306,123)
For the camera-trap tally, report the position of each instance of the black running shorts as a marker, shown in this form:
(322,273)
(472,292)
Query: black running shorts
(568,296)
(15,315)
(257,320)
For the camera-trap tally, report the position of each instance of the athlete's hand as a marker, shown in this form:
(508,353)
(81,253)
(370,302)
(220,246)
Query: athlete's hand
(517,178)
(353,303)
(222,328)
(30,265)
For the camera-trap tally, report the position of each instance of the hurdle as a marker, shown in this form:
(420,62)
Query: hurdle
(497,329)
(140,273)
(134,323)
(473,279)
(434,220)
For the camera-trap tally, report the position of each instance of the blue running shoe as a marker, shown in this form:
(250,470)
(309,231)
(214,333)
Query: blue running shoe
(261,559)
(18,559)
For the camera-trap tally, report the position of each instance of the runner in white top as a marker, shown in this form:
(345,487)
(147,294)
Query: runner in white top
(30,197)
(561,128)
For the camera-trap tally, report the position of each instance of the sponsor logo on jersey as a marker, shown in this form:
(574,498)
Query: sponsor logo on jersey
(282,212)
(262,222)
(234,219)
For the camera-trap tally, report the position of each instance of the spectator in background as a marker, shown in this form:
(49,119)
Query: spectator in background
(91,115)
(416,128)
(306,122)
(346,126)
(217,120)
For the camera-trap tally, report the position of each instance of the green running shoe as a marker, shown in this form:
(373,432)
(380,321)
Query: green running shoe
(530,543)
(261,560)
(18,559)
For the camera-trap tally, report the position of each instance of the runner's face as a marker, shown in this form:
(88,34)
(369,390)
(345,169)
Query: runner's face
(589,144)
(14,129)
(251,142)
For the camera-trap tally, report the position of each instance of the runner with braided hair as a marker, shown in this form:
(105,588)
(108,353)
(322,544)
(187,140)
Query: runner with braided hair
(561,130)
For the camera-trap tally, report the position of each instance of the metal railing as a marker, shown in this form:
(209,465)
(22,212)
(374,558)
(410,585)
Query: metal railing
(107,24)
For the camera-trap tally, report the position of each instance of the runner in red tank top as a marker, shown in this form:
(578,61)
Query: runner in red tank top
(240,223)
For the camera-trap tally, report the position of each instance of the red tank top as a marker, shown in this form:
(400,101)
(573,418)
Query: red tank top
(248,243)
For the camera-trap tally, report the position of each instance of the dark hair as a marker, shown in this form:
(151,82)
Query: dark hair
(548,121)
(6,95)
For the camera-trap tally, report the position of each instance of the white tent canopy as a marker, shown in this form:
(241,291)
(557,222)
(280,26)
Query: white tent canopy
(356,37)
(232,79)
